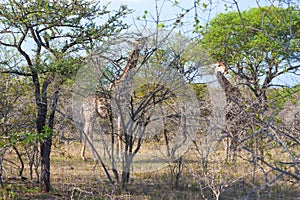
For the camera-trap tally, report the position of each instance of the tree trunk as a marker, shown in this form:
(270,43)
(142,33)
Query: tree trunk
(45,145)
(46,148)
(126,168)
(20,159)
(45,164)
(125,178)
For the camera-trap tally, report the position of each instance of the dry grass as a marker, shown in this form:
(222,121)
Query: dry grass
(72,178)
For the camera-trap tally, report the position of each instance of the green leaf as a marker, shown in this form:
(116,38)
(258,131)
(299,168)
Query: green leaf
(145,14)
(160,25)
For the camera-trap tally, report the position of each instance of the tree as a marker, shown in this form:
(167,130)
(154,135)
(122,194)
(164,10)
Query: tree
(53,37)
(15,118)
(259,45)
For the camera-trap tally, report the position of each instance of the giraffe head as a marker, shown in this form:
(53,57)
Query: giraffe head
(220,67)
(102,106)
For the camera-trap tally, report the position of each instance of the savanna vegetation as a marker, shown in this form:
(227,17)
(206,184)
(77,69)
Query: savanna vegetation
(172,130)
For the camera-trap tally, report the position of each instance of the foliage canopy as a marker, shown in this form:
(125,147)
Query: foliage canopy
(259,44)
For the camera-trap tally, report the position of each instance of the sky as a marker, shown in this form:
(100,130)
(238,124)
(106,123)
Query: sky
(169,11)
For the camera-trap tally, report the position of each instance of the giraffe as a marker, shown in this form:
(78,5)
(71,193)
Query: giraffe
(233,116)
(100,106)
(231,91)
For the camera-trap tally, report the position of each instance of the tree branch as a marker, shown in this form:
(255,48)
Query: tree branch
(16,72)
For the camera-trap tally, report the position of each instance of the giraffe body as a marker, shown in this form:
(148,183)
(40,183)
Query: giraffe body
(94,106)
(234,116)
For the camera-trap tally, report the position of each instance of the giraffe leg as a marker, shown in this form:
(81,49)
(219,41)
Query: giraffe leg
(226,139)
(235,141)
(93,147)
(227,146)
(119,140)
(83,141)
(83,146)
(120,146)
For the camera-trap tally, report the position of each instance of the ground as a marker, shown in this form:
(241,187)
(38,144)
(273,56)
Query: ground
(73,178)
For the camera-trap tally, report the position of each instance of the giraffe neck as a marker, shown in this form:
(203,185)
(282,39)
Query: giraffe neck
(131,64)
(229,89)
